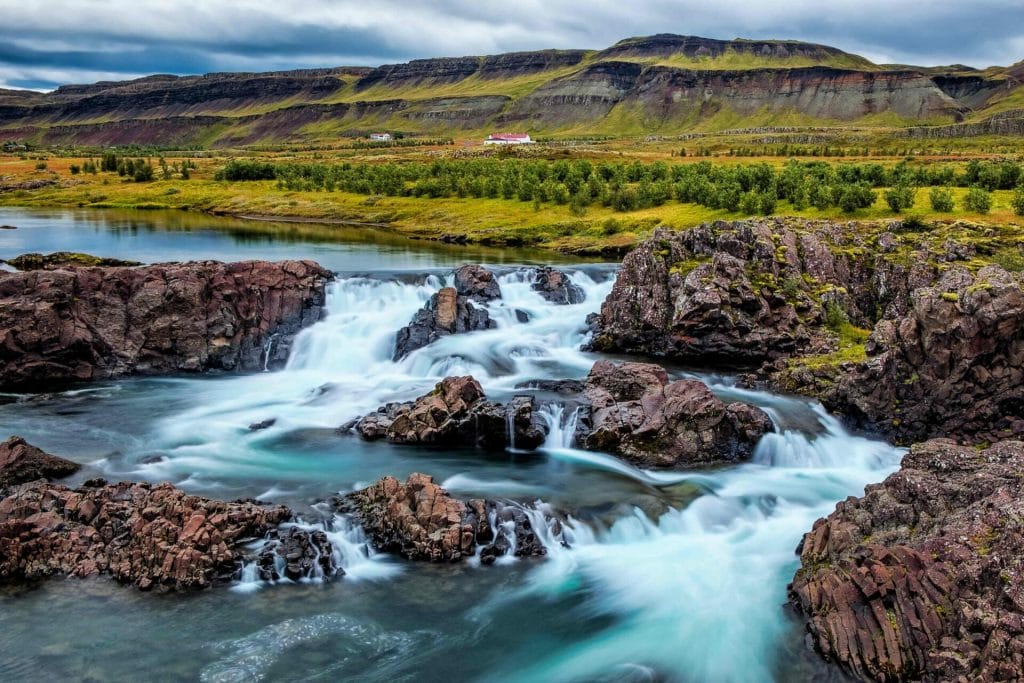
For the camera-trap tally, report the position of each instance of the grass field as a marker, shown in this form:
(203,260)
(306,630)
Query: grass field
(483,221)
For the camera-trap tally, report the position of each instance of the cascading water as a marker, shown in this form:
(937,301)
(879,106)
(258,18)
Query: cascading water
(674,575)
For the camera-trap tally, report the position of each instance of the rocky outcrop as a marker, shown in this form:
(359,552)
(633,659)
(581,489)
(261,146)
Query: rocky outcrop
(151,536)
(556,287)
(419,520)
(96,323)
(729,292)
(447,312)
(952,365)
(635,412)
(455,413)
(21,462)
(921,578)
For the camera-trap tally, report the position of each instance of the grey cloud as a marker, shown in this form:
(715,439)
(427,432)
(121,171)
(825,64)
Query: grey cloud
(193,36)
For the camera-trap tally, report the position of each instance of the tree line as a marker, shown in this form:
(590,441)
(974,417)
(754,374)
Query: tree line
(626,186)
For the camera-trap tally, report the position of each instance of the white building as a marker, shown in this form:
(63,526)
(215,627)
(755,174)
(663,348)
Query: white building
(508,139)
(380,137)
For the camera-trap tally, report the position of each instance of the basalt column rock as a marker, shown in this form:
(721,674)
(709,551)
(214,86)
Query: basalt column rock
(921,578)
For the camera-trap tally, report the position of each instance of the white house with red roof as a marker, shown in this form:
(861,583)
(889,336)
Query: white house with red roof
(508,139)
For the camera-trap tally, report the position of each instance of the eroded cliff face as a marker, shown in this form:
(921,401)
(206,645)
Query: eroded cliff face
(664,83)
(96,323)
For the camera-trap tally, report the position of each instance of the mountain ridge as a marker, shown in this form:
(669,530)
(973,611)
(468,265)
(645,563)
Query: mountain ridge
(660,84)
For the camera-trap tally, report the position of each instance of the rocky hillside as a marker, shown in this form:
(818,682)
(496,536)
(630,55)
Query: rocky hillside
(658,84)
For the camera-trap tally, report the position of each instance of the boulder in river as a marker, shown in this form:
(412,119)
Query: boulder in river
(556,287)
(455,413)
(420,520)
(21,462)
(88,323)
(634,411)
(447,312)
(477,283)
(923,577)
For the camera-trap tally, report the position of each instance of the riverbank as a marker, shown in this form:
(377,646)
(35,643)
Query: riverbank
(597,231)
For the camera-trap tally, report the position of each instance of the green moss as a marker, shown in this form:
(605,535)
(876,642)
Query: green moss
(950,296)
(684,267)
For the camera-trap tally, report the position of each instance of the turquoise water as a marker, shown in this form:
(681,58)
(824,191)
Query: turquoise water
(667,577)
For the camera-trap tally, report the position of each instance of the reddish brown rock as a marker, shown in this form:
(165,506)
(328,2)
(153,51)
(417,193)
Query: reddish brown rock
(476,282)
(921,578)
(635,412)
(152,536)
(21,462)
(419,520)
(455,413)
(97,323)
(951,365)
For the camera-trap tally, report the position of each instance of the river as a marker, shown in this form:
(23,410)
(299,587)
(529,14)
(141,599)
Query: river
(657,577)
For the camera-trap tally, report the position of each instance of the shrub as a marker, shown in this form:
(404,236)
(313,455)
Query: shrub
(1018,200)
(900,197)
(978,200)
(941,199)
(75,169)
(41,166)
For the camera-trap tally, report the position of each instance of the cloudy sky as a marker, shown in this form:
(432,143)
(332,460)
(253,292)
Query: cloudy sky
(44,43)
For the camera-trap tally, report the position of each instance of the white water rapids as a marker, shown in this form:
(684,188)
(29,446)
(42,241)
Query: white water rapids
(676,575)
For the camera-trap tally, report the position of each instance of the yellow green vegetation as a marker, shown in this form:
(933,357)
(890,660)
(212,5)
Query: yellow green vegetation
(609,224)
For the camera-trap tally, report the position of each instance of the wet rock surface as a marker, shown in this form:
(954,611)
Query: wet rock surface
(60,259)
(151,536)
(295,553)
(455,413)
(921,578)
(22,462)
(951,365)
(477,283)
(447,312)
(419,520)
(83,323)
(634,411)
(556,287)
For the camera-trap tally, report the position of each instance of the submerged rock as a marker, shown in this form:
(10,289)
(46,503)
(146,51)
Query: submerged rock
(635,412)
(21,462)
(455,413)
(556,287)
(152,536)
(60,259)
(920,579)
(95,323)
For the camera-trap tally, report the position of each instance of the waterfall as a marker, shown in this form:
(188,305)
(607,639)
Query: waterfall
(561,427)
